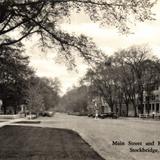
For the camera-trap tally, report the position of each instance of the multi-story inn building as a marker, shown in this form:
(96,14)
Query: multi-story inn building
(150,107)
(153,106)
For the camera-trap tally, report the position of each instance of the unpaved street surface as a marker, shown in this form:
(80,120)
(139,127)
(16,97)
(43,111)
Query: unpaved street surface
(101,133)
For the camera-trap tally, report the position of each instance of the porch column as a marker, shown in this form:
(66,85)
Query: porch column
(144,108)
(154,110)
(151,108)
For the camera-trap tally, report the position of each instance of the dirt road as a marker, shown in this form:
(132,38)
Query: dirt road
(101,134)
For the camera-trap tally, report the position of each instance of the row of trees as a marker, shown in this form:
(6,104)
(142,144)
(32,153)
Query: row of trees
(124,78)
(43,94)
(74,101)
(19,85)
(41,18)
(22,19)
(127,78)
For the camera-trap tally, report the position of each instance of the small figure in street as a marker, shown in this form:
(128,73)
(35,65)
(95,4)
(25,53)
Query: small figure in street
(96,114)
(1,103)
(96,110)
(153,114)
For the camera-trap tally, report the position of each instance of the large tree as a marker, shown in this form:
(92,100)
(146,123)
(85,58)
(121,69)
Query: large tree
(43,18)
(127,77)
(49,89)
(14,76)
(35,100)
(103,81)
(74,100)
(141,72)
(43,94)
(141,65)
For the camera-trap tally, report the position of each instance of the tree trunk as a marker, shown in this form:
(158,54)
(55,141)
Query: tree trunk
(120,109)
(111,105)
(135,111)
(15,109)
(135,108)
(148,103)
(141,106)
(4,109)
(127,109)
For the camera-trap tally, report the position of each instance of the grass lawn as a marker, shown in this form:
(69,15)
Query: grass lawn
(35,143)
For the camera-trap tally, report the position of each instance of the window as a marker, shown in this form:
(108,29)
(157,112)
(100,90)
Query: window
(102,109)
(153,97)
(156,87)
(157,97)
(149,107)
(152,107)
(157,107)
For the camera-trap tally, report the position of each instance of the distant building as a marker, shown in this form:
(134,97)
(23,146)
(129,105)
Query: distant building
(151,104)
(98,103)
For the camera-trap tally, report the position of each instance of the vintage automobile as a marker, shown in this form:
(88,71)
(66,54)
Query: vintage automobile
(47,113)
(108,115)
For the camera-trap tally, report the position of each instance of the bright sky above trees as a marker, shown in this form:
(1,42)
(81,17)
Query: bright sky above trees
(107,38)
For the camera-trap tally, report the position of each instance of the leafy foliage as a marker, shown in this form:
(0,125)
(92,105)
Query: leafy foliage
(35,100)
(43,18)
(74,100)
(19,85)
(124,78)
(14,76)
(43,94)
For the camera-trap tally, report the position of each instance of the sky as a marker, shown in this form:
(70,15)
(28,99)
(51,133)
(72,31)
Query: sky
(107,39)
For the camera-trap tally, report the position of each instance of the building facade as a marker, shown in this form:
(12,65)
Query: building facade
(153,104)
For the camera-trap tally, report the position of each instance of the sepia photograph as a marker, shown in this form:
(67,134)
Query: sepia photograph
(79,79)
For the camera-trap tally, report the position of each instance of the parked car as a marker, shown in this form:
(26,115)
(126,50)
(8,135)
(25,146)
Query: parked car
(108,115)
(47,114)
(91,115)
(31,116)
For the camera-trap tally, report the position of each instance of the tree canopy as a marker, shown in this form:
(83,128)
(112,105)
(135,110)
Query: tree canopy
(14,76)
(129,76)
(43,94)
(74,101)
(43,18)
(20,86)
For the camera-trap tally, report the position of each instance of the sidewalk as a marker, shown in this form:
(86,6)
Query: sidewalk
(8,122)
(137,119)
